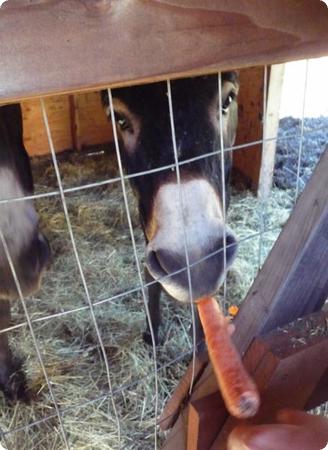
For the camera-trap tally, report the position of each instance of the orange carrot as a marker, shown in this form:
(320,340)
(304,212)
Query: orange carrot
(233,310)
(238,390)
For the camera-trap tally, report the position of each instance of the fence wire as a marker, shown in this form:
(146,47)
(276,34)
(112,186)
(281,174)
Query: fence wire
(302,132)
(185,238)
(144,297)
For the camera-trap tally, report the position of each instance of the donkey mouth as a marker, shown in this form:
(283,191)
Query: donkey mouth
(203,277)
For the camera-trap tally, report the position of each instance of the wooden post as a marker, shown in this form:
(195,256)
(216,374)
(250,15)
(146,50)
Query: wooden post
(270,130)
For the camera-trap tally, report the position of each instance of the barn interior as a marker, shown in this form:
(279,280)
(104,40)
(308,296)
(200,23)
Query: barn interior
(95,203)
(96,408)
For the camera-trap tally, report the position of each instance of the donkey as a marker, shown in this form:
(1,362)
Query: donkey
(143,124)
(19,227)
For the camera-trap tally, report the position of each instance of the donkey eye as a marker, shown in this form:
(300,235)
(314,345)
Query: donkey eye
(123,122)
(228,101)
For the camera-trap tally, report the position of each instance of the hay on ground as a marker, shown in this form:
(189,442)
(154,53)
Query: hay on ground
(68,343)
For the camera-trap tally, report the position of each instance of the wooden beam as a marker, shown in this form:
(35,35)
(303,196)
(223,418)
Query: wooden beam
(287,365)
(89,44)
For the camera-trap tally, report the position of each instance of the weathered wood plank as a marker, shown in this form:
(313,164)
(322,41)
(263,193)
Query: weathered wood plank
(67,46)
(290,285)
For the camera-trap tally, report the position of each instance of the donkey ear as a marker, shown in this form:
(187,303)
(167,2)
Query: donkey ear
(232,76)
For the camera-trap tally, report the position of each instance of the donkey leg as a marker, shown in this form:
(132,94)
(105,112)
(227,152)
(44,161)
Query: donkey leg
(154,294)
(199,333)
(12,377)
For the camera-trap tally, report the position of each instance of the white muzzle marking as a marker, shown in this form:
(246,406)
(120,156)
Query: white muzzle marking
(192,216)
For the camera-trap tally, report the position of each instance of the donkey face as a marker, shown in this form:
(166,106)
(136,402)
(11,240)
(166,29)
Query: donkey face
(143,122)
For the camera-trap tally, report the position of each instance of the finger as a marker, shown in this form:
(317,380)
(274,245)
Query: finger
(231,329)
(310,421)
(273,437)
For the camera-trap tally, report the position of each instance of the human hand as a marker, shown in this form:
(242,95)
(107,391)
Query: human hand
(294,430)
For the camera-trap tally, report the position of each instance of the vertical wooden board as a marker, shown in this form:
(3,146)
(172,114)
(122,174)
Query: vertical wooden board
(35,138)
(94,128)
(250,100)
(271,130)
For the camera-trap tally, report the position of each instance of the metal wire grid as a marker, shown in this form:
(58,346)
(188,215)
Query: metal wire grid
(110,394)
(127,209)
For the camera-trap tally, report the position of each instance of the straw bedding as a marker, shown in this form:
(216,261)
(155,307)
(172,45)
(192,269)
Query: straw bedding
(69,344)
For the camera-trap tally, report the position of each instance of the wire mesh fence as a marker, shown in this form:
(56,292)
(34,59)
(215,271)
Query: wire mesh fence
(99,386)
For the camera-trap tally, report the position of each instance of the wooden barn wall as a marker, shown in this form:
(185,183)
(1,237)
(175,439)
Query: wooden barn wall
(86,120)
(79,120)
(250,126)
(92,124)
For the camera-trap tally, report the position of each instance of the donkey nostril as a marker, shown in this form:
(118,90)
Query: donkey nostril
(230,239)
(231,244)
(163,262)
(153,262)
